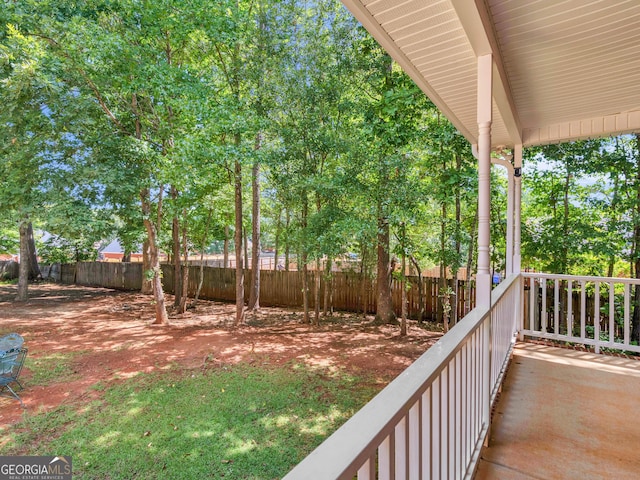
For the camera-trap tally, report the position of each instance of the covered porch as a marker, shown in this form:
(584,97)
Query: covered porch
(564,414)
(510,75)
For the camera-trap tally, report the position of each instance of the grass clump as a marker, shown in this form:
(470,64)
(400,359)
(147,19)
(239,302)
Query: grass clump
(52,368)
(240,422)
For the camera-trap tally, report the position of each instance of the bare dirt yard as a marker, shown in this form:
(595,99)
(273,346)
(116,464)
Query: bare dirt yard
(110,337)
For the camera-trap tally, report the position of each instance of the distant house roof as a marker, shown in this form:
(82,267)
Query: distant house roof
(113,247)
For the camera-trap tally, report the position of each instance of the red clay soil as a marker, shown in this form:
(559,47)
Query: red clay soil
(111,334)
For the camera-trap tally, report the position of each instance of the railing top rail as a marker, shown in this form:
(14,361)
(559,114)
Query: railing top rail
(554,276)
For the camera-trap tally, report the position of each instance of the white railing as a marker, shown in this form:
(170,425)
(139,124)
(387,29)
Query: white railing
(594,311)
(432,420)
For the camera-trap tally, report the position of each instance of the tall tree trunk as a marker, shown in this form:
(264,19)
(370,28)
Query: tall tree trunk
(184,281)
(147,283)
(147,264)
(472,243)
(202,248)
(318,271)
(245,246)
(458,242)
(316,292)
(177,270)
(23,272)
(287,248)
(635,323)
(611,265)
(238,241)
(328,288)
(305,260)
(154,257)
(564,258)
(384,313)
(613,223)
(34,269)
(225,254)
(277,240)
(420,289)
(442,281)
(403,284)
(254,298)
(363,280)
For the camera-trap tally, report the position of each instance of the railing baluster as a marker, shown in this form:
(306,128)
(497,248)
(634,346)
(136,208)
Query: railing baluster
(627,329)
(401,451)
(570,308)
(445,427)
(385,458)
(612,313)
(475,416)
(479,376)
(415,440)
(543,312)
(368,470)
(486,374)
(426,454)
(532,304)
(556,307)
(583,309)
(436,433)
(464,392)
(458,417)
(453,425)
(596,317)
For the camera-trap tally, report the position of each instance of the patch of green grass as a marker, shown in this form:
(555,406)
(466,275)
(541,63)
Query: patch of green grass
(240,422)
(52,368)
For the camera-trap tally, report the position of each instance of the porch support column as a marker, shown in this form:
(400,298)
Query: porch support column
(505,161)
(510,223)
(483,276)
(517,164)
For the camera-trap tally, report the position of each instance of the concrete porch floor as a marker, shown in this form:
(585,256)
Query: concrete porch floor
(564,414)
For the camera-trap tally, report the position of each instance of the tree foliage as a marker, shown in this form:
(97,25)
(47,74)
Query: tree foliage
(124,119)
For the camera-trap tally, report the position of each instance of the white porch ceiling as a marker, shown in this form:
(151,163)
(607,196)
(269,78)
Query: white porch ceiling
(563,69)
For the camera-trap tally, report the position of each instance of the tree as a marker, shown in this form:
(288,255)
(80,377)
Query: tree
(229,44)
(556,207)
(28,143)
(393,109)
(134,61)
(449,171)
(309,119)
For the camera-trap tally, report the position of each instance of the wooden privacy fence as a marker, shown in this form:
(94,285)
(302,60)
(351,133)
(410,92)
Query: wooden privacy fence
(349,291)
(120,276)
(8,270)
